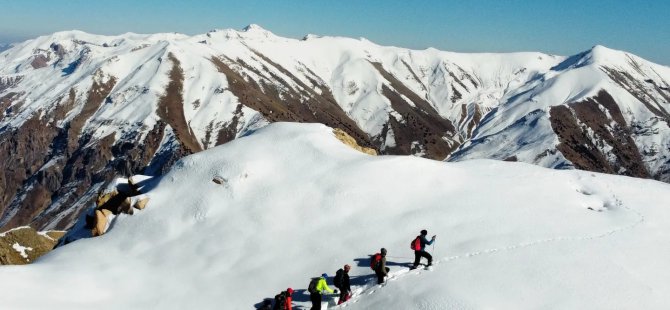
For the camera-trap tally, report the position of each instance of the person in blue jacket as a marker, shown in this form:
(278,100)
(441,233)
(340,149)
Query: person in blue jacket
(419,246)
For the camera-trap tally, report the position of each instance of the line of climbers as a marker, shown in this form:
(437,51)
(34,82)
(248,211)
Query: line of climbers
(317,286)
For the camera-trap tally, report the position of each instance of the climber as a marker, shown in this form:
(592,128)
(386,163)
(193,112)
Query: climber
(419,246)
(316,288)
(378,264)
(341,281)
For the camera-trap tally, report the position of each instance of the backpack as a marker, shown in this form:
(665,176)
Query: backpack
(312,285)
(416,244)
(338,279)
(375,261)
(280,301)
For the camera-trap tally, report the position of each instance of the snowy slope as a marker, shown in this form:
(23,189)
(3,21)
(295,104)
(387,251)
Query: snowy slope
(632,94)
(79,109)
(343,66)
(298,203)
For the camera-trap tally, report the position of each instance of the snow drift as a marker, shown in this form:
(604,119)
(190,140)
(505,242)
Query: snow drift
(296,203)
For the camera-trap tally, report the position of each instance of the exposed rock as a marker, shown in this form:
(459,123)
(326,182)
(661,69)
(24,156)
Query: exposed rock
(350,141)
(105,197)
(585,131)
(417,127)
(141,204)
(126,206)
(100,223)
(39,61)
(22,154)
(24,244)
(116,202)
(219,180)
(171,108)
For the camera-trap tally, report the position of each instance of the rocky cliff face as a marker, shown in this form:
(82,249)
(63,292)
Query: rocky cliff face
(78,109)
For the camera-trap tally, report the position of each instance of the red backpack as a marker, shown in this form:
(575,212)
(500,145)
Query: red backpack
(416,244)
(376,260)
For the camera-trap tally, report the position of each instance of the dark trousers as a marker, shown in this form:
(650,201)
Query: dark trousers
(419,254)
(344,295)
(381,275)
(316,300)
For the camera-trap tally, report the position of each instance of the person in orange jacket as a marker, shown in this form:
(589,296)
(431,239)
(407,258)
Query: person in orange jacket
(283,300)
(289,299)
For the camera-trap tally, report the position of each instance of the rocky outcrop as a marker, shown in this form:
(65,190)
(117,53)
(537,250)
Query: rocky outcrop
(102,218)
(345,138)
(123,198)
(141,203)
(23,245)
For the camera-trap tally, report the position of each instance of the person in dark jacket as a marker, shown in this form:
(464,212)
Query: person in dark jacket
(382,271)
(280,301)
(267,305)
(343,284)
(420,251)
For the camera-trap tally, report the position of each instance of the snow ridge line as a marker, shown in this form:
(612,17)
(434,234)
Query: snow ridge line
(370,287)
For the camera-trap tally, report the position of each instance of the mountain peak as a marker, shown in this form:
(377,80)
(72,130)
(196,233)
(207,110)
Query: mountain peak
(254,27)
(601,53)
(596,55)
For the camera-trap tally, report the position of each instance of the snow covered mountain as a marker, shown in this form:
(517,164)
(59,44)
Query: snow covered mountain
(4,47)
(79,109)
(295,203)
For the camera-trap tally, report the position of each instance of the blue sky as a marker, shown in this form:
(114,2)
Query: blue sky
(559,27)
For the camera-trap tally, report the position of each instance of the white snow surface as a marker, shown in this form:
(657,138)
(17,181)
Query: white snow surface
(298,203)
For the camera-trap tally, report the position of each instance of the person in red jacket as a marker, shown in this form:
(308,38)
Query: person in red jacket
(283,300)
(419,246)
(289,298)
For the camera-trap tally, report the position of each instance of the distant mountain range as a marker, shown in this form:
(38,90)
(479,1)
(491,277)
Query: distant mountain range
(80,109)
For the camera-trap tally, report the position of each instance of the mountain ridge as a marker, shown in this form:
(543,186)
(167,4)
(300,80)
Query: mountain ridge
(80,108)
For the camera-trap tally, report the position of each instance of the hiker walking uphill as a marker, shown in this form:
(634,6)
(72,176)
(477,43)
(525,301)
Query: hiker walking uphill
(316,288)
(284,300)
(378,264)
(341,281)
(419,246)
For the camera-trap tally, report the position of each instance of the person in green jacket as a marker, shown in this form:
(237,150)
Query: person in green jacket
(316,288)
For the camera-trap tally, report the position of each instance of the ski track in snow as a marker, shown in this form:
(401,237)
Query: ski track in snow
(371,287)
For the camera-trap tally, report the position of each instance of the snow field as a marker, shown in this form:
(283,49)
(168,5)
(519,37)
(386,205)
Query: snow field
(297,203)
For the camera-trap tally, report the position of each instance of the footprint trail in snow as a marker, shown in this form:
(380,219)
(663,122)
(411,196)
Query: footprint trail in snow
(371,287)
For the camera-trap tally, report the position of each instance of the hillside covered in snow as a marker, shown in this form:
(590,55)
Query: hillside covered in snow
(295,202)
(79,109)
